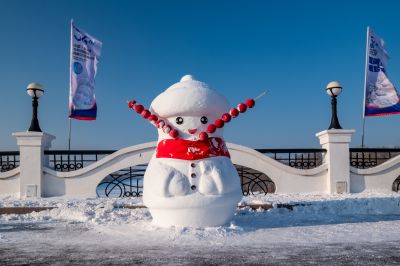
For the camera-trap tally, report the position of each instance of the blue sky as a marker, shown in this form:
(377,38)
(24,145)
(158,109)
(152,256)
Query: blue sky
(240,48)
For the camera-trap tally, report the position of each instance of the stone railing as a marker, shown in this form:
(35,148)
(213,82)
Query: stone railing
(37,171)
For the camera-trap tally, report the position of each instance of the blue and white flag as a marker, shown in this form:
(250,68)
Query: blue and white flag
(380,97)
(85,54)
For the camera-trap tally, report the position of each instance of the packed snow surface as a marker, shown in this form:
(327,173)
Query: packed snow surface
(320,225)
(109,216)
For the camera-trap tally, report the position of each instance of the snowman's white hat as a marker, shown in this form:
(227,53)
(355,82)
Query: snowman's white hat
(189,97)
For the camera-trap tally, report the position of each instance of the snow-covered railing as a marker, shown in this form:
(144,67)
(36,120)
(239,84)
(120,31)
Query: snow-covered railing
(383,177)
(297,158)
(128,182)
(9,172)
(66,161)
(71,160)
(8,160)
(363,158)
(38,171)
(396,184)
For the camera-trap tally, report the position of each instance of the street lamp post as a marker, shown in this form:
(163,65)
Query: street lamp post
(333,89)
(35,90)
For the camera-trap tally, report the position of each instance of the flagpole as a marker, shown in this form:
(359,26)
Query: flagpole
(362,137)
(70,78)
(69,135)
(365,87)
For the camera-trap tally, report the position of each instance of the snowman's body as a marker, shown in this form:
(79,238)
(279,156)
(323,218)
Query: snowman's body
(172,201)
(189,182)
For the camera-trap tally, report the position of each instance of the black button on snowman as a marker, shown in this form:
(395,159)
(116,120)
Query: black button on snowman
(190,180)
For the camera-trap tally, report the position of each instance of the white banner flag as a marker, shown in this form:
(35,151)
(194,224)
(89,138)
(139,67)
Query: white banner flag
(85,54)
(381,97)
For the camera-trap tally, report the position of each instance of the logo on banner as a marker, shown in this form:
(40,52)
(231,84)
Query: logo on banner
(78,68)
(80,37)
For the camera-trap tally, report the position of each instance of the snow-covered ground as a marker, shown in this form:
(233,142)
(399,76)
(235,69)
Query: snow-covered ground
(358,229)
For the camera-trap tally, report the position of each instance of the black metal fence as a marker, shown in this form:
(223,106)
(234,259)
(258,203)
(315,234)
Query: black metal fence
(297,158)
(128,182)
(123,183)
(65,161)
(254,182)
(9,160)
(396,185)
(370,157)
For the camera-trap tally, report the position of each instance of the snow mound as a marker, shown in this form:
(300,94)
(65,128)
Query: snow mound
(288,210)
(91,211)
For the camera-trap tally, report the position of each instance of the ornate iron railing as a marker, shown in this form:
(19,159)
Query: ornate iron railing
(254,182)
(123,183)
(370,157)
(129,182)
(9,160)
(297,158)
(396,184)
(65,161)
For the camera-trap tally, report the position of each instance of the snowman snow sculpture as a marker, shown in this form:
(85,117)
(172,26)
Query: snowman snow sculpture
(190,180)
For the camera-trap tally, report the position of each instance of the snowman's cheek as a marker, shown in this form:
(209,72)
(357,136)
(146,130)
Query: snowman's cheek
(203,126)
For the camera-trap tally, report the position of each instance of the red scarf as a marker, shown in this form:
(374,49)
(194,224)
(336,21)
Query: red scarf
(191,149)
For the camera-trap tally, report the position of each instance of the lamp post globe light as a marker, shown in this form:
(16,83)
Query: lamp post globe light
(35,90)
(333,89)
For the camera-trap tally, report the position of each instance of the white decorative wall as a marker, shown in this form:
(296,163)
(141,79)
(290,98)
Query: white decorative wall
(287,179)
(83,182)
(34,178)
(376,179)
(9,182)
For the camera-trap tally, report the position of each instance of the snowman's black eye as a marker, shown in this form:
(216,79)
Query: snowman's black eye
(179,120)
(204,120)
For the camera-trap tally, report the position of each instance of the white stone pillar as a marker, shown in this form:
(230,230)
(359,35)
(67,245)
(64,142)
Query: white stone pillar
(336,142)
(31,156)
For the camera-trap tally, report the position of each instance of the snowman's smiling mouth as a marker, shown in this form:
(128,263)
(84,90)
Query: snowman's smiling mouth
(192,131)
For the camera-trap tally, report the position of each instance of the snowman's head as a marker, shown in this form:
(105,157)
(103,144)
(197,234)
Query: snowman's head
(189,106)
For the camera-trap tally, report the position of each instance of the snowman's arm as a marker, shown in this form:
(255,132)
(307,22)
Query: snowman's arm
(165,180)
(157,178)
(153,119)
(233,113)
(223,173)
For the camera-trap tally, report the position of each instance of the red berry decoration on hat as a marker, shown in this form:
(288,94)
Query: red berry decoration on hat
(211,128)
(160,123)
(234,112)
(219,123)
(203,136)
(153,119)
(174,133)
(242,107)
(131,104)
(226,117)
(250,103)
(139,108)
(166,129)
(146,114)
